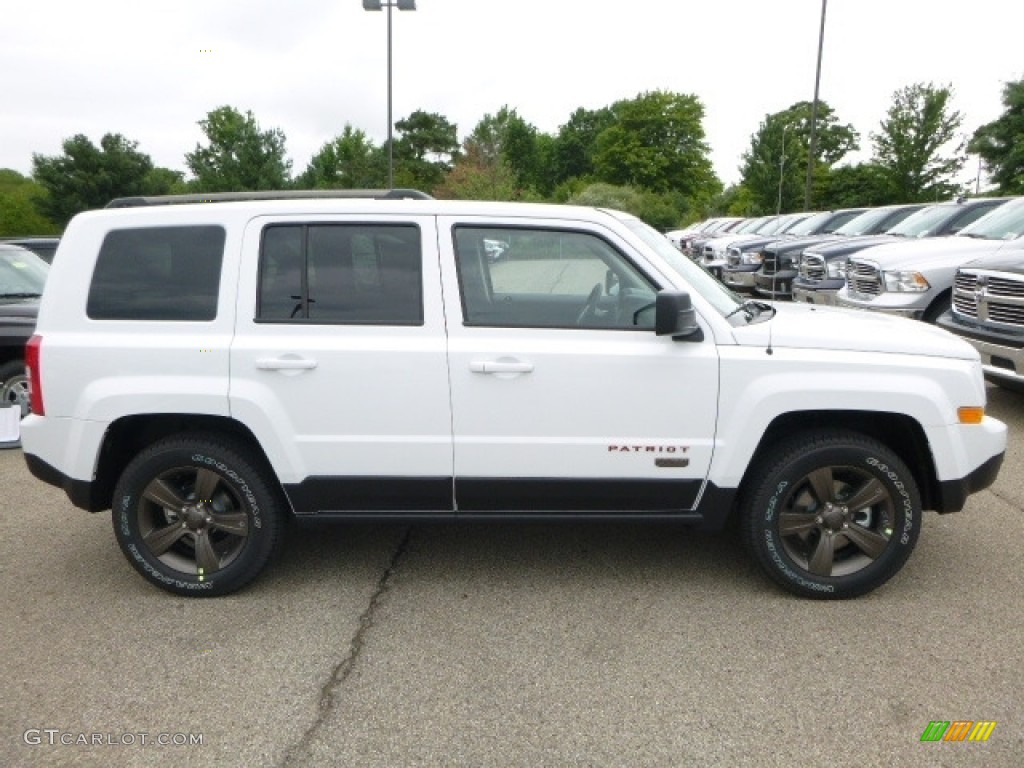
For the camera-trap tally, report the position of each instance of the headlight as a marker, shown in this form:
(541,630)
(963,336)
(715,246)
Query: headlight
(905,282)
(751,257)
(836,268)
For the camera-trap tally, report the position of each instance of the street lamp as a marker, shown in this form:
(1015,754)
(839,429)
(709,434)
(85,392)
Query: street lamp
(814,112)
(402,5)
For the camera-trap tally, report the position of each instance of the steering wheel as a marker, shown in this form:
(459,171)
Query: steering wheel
(591,303)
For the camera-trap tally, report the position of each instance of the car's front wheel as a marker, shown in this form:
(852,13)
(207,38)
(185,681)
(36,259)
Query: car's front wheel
(195,515)
(831,514)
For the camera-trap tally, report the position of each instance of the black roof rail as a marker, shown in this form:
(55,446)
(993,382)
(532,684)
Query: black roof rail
(285,194)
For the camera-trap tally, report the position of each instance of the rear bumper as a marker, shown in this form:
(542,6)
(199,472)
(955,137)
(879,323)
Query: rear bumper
(80,492)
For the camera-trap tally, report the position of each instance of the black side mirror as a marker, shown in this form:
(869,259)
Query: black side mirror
(674,316)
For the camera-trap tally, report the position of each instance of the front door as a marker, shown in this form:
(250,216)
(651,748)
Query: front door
(563,398)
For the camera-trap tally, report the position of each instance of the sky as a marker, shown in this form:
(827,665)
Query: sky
(152,69)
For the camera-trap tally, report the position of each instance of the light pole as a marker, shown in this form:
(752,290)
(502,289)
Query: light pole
(402,5)
(814,112)
(782,169)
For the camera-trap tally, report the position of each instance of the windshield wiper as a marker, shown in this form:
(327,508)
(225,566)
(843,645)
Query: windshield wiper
(23,295)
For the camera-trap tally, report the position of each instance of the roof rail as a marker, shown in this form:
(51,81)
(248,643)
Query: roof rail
(285,194)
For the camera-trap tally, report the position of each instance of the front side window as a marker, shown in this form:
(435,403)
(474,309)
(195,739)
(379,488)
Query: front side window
(158,273)
(546,278)
(348,274)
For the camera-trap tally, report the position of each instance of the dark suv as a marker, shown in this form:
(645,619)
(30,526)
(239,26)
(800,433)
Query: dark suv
(22,275)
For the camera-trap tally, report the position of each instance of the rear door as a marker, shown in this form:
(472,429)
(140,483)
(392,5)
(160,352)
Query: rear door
(563,398)
(338,363)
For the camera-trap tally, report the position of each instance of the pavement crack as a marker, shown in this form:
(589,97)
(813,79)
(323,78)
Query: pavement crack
(344,668)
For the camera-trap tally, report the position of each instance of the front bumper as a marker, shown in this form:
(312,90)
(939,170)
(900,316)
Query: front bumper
(778,285)
(741,276)
(822,296)
(911,305)
(1002,355)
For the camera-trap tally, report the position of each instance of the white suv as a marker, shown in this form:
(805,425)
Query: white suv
(208,370)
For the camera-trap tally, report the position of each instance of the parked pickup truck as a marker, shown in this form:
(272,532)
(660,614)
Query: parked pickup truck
(822,269)
(22,276)
(256,357)
(988,311)
(915,279)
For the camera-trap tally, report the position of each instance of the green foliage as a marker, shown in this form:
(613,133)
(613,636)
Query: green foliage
(425,150)
(1001,142)
(239,156)
(18,211)
(918,128)
(573,156)
(854,185)
(349,161)
(658,210)
(504,140)
(778,153)
(479,174)
(86,176)
(656,141)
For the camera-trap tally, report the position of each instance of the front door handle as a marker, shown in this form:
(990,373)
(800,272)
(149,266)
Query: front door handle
(285,364)
(500,366)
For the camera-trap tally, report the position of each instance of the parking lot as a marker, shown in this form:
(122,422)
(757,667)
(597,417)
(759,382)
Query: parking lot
(508,645)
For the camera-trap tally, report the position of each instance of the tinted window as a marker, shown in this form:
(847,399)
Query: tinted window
(355,274)
(157,273)
(534,278)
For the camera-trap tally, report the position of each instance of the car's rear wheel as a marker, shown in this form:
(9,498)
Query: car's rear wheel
(832,514)
(14,386)
(195,515)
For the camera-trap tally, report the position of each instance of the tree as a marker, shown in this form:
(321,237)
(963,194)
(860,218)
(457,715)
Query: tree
(574,145)
(18,212)
(656,209)
(239,155)
(778,153)
(86,176)
(478,175)
(657,142)
(913,142)
(425,150)
(848,186)
(1001,142)
(349,161)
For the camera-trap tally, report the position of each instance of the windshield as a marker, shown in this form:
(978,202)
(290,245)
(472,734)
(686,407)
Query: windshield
(699,279)
(1004,223)
(921,223)
(811,224)
(22,273)
(751,225)
(865,223)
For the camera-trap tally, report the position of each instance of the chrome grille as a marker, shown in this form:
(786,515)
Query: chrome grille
(812,267)
(990,297)
(863,277)
(770,263)
(734,256)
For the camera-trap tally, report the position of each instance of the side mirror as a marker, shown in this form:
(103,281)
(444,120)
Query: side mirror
(674,316)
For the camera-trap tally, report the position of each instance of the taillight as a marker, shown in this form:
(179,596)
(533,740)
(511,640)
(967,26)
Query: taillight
(35,387)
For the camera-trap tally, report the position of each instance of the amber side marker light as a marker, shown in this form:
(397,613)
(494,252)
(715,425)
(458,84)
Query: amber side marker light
(972,414)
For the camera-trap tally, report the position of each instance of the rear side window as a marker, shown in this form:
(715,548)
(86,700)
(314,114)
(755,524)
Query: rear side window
(345,274)
(158,273)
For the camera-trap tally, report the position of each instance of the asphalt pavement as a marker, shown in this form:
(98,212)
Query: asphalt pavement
(508,645)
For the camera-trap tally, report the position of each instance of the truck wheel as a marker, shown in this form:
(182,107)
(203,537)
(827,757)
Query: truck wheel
(832,515)
(195,515)
(14,385)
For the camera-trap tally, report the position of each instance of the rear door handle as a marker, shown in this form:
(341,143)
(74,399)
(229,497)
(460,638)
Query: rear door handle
(500,366)
(285,364)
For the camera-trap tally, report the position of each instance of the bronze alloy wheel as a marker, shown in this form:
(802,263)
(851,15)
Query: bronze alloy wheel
(191,521)
(831,513)
(198,514)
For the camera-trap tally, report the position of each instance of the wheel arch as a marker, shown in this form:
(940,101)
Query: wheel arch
(900,433)
(127,436)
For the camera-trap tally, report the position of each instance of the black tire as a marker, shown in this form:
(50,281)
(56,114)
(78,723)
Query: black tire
(14,385)
(939,307)
(197,546)
(800,526)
